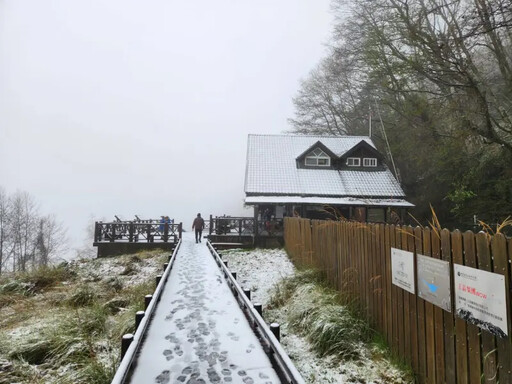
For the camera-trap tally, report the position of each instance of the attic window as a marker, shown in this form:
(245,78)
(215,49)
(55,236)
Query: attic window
(353,161)
(318,158)
(369,162)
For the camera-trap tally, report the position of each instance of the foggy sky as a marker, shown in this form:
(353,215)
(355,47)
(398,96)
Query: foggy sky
(143,107)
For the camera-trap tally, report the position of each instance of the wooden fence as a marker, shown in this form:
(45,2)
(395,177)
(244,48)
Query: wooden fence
(440,347)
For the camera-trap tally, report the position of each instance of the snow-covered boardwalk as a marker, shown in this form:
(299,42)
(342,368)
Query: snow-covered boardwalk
(198,333)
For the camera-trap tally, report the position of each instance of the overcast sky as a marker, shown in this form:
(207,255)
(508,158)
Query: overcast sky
(143,107)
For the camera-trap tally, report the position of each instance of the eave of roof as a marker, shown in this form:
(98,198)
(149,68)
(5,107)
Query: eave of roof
(353,201)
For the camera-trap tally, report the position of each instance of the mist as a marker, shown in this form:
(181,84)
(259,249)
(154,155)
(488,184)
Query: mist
(129,107)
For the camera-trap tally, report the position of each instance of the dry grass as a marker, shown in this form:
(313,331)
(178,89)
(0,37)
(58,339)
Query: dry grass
(80,319)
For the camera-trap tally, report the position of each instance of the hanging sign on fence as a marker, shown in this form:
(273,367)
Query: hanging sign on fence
(434,281)
(480,299)
(402,269)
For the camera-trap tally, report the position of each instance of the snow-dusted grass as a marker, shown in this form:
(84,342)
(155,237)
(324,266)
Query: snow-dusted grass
(326,341)
(63,325)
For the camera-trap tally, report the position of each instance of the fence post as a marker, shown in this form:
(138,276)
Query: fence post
(148,232)
(125,343)
(113,235)
(274,327)
(180,229)
(211,224)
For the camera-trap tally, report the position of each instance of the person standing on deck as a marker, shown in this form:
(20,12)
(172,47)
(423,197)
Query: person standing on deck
(198,225)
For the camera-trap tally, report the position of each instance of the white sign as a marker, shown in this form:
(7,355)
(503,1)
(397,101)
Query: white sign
(402,269)
(480,299)
(434,281)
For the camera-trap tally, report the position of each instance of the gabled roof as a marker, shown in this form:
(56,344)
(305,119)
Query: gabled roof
(272,169)
(365,145)
(320,145)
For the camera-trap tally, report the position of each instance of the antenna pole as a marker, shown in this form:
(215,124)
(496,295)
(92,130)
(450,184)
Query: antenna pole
(388,148)
(370,121)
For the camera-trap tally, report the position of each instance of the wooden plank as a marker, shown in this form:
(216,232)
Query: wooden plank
(413,311)
(387,261)
(400,306)
(490,369)
(406,314)
(461,351)
(448,320)
(438,317)
(474,351)
(365,266)
(379,270)
(501,266)
(372,262)
(394,298)
(363,272)
(420,307)
(429,319)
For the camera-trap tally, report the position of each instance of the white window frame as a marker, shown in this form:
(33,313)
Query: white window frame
(370,162)
(354,161)
(315,157)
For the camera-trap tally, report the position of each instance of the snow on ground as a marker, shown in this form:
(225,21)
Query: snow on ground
(130,269)
(261,270)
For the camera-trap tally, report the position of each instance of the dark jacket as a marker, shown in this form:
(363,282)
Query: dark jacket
(198,223)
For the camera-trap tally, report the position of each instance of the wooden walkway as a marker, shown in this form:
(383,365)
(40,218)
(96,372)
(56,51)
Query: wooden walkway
(198,332)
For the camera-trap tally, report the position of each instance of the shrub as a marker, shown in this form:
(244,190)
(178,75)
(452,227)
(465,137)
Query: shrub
(82,296)
(314,311)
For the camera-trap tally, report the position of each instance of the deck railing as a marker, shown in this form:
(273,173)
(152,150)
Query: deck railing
(233,226)
(243,226)
(150,231)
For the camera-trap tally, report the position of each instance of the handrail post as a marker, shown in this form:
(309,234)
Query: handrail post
(131,231)
(97,236)
(148,232)
(211,225)
(180,229)
(255,223)
(113,234)
(240,230)
(166,232)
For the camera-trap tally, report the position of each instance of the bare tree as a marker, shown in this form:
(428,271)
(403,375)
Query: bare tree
(327,100)
(27,239)
(51,240)
(4,215)
(458,52)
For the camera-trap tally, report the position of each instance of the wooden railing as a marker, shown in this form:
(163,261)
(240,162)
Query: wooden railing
(227,225)
(243,226)
(441,346)
(150,231)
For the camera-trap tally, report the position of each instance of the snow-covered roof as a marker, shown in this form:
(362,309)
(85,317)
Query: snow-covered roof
(272,169)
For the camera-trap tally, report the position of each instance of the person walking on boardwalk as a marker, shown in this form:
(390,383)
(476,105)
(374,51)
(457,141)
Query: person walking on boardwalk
(198,225)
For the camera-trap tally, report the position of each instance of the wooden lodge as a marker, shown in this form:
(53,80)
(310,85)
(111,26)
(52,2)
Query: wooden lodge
(321,177)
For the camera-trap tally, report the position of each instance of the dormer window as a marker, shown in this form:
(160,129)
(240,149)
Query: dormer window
(369,162)
(353,161)
(318,158)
